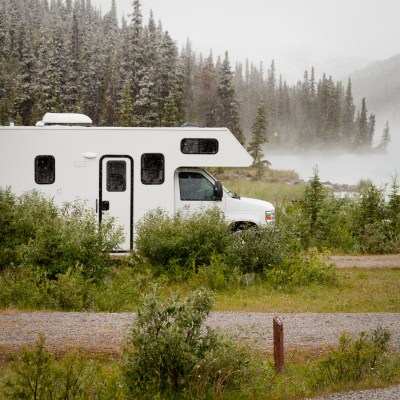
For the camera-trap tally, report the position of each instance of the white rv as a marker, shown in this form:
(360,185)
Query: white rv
(127,172)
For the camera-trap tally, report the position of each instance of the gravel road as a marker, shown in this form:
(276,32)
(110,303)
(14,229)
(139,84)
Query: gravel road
(105,333)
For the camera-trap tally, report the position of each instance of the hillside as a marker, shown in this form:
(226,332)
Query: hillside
(380,84)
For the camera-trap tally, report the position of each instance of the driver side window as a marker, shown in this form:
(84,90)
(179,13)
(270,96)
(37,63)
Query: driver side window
(195,187)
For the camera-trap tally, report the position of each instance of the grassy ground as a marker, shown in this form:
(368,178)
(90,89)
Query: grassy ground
(357,291)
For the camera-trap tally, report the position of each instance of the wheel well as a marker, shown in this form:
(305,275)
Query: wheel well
(242,225)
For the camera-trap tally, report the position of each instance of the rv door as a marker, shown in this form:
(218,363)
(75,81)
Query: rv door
(116,194)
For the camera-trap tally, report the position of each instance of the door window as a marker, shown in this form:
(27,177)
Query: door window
(116,176)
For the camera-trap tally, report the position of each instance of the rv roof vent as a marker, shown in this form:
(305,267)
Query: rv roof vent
(69,119)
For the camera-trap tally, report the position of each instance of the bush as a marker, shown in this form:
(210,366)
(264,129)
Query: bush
(301,270)
(183,241)
(37,233)
(357,359)
(29,287)
(170,354)
(37,374)
(255,250)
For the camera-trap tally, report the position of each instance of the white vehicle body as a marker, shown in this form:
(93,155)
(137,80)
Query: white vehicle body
(126,172)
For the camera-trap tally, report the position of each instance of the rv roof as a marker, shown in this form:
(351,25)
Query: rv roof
(66,119)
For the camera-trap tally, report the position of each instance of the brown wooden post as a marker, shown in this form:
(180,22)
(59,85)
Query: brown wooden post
(278,345)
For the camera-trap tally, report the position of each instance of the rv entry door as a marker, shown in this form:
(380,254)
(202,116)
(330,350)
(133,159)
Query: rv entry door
(116,194)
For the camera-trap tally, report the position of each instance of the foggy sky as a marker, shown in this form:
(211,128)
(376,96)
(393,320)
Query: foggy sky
(340,35)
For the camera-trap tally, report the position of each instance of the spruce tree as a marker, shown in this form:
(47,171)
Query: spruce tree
(362,136)
(385,138)
(258,138)
(227,106)
(348,116)
(371,129)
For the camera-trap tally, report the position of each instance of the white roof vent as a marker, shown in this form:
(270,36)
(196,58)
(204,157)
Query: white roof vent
(68,119)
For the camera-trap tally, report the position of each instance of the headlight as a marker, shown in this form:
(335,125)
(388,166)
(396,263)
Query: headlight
(269,216)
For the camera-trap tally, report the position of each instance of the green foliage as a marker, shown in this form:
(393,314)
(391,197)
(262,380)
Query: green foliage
(170,355)
(376,221)
(357,359)
(366,222)
(201,248)
(183,241)
(38,375)
(37,233)
(255,250)
(216,276)
(302,270)
(29,287)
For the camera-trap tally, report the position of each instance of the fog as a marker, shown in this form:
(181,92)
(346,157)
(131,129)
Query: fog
(345,168)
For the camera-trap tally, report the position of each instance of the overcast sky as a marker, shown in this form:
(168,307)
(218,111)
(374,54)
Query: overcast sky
(334,35)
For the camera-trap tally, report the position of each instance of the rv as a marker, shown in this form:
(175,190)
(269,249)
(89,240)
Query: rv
(126,172)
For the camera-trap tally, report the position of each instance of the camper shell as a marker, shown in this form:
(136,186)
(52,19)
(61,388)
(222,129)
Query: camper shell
(126,172)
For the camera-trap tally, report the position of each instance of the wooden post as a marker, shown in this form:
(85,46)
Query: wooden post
(278,345)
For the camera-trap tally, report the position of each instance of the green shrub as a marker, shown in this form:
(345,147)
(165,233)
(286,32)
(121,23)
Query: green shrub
(170,355)
(216,276)
(30,287)
(258,249)
(37,374)
(357,359)
(26,287)
(302,269)
(376,221)
(37,233)
(182,240)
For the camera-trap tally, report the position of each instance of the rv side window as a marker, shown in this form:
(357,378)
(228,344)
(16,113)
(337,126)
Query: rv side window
(199,146)
(116,176)
(152,171)
(195,187)
(45,170)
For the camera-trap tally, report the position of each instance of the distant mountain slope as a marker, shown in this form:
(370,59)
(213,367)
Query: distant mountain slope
(379,83)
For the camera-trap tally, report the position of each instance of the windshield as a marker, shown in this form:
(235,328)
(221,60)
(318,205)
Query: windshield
(226,190)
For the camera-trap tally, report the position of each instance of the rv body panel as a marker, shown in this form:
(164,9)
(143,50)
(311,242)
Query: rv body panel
(123,172)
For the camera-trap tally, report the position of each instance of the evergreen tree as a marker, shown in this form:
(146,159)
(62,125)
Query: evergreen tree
(227,106)
(348,116)
(205,93)
(258,137)
(362,136)
(385,138)
(371,129)
(6,68)
(126,108)
(24,98)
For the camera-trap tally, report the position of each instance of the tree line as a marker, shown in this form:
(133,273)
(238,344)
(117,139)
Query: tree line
(64,56)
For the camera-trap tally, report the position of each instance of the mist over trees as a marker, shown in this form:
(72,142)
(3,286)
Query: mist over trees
(64,56)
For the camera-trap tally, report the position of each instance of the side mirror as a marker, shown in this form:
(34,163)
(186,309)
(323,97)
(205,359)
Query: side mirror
(218,191)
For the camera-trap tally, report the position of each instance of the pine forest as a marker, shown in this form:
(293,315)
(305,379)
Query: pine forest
(64,56)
